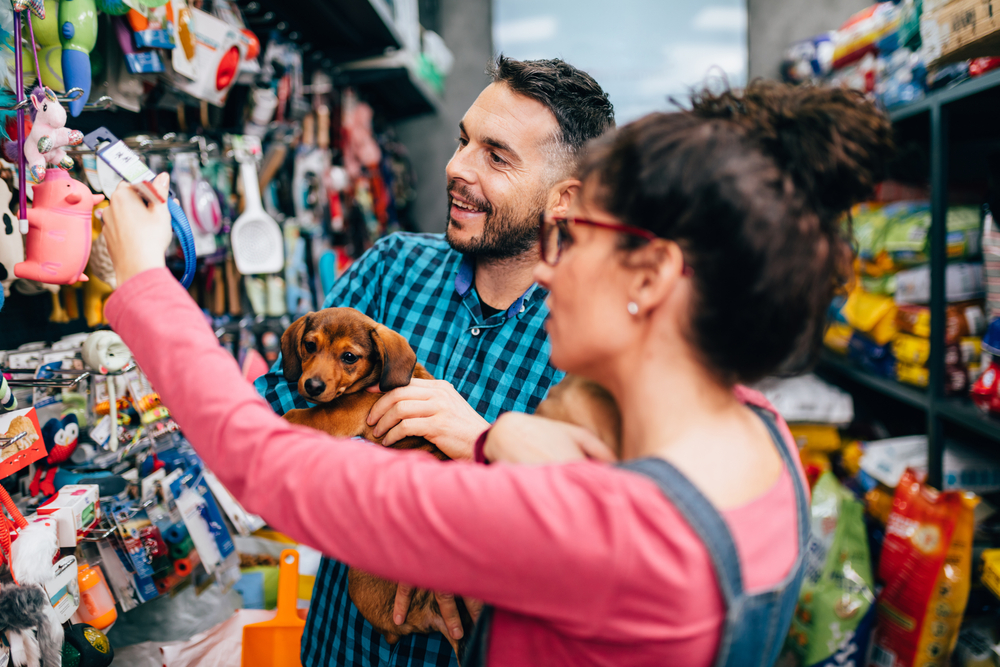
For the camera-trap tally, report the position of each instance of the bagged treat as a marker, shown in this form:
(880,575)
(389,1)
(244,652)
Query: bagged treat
(832,621)
(926,566)
(871,314)
(961,320)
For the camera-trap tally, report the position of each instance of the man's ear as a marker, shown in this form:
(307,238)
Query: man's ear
(560,196)
(291,364)
(398,358)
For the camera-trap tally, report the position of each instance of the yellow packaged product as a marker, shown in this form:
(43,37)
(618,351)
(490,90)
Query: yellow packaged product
(991,570)
(817,437)
(872,314)
(911,349)
(918,376)
(838,337)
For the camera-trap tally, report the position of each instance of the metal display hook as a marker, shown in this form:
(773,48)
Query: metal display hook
(11,440)
(64,383)
(103,103)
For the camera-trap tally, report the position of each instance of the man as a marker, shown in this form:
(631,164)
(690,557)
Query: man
(468,306)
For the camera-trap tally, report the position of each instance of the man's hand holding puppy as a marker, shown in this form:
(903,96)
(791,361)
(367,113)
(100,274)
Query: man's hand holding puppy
(430,409)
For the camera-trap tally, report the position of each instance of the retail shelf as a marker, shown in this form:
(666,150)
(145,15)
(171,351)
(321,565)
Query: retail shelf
(946,95)
(962,412)
(391,84)
(901,392)
(343,30)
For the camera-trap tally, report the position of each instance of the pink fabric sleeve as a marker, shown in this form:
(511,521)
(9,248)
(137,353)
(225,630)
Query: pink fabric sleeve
(546,541)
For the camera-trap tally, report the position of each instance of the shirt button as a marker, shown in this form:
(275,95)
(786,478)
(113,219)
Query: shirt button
(475,332)
(523,307)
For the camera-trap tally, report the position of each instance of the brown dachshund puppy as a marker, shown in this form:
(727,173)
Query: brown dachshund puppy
(587,404)
(334,356)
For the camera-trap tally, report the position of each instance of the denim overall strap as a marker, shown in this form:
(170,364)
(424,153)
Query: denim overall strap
(711,528)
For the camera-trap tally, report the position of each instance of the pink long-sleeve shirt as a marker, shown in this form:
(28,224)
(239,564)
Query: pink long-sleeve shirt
(586,564)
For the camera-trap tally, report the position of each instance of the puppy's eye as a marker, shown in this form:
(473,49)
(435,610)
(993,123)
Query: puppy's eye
(348,358)
(310,346)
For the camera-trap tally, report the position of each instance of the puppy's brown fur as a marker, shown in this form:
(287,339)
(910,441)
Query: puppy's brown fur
(349,352)
(587,404)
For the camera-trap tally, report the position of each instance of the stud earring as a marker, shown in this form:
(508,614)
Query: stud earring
(633,308)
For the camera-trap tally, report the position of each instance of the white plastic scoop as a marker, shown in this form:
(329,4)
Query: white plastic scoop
(258,244)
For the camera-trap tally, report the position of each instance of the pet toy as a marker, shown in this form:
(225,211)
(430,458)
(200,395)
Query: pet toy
(49,48)
(31,625)
(25,611)
(59,236)
(61,437)
(49,134)
(78,32)
(106,353)
(8,401)
(11,242)
(87,646)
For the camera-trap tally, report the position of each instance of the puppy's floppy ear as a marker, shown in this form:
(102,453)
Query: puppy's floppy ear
(398,358)
(291,364)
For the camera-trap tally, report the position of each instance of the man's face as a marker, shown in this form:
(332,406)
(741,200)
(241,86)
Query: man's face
(499,177)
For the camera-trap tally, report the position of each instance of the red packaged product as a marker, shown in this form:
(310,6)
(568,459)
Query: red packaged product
(984,391)
(980,66)
(926,566)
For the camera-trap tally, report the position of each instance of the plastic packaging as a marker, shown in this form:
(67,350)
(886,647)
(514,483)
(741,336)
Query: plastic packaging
(97,607)
(926,566)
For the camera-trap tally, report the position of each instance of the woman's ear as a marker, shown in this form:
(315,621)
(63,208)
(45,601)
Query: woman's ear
(560,196)
(398,358)
(659,267)
(291,363)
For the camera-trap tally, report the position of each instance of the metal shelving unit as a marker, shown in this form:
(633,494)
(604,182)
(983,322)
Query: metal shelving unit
(941,411)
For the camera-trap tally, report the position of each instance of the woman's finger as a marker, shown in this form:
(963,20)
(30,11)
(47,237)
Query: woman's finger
(595,448)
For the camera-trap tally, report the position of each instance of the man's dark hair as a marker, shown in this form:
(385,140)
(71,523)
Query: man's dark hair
(580,106)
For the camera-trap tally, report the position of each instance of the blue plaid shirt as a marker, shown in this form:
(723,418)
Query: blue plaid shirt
(417,285)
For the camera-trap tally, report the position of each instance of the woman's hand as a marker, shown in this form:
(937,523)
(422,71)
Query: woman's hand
(138,234)
(520,438)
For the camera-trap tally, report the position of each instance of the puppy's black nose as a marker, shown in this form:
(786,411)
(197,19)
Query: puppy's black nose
(315,387)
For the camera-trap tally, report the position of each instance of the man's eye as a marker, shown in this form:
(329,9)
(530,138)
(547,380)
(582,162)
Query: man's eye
(496,159)
(348,358)
(462,141)
(310,346)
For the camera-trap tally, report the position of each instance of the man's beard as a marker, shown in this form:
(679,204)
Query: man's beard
(506,233)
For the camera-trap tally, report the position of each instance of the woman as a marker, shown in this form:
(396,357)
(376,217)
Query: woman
(700,253)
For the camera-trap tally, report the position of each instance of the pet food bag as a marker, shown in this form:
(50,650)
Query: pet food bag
(832,622)
(926,566)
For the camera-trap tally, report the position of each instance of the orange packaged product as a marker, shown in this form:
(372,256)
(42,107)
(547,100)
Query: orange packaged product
(926,566)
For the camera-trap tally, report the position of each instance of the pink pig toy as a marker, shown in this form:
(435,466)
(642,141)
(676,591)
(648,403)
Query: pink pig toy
(49,134)
(59,231)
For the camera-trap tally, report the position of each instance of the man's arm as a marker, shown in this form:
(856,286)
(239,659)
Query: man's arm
(359,287)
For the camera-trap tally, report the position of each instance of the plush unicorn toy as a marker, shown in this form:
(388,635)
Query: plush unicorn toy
(49,134)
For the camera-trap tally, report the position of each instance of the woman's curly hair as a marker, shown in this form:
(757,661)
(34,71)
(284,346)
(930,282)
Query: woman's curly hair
(753,185)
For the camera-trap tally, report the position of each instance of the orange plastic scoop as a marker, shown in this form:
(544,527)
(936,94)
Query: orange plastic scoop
(276,643)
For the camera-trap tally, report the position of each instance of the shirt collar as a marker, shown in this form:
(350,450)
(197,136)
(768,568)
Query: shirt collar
(466,276)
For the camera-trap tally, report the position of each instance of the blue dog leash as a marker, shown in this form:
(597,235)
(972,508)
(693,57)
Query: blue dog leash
(130,167)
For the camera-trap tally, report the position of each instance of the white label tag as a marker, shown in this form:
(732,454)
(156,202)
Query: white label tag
(125,161)
(101,433)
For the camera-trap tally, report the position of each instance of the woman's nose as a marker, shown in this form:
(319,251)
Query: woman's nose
(543,274)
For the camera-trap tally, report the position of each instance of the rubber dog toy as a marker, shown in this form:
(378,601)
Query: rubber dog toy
(59,231)
(49,134)
(49,48)
(78,32)
(11,242)
(61,437)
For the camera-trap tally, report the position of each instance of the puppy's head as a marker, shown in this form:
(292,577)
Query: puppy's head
(340,351)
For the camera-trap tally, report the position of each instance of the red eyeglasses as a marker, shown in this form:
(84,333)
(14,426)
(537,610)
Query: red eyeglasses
(554,236)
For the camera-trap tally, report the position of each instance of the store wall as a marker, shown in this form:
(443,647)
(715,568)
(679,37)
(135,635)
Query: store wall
(774,24)
(466,26)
